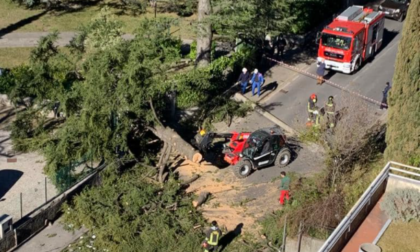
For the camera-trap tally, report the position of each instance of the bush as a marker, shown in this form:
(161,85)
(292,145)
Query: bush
(402,204)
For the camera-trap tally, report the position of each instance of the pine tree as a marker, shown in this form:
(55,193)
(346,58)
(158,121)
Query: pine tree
(403,133)
(251,19)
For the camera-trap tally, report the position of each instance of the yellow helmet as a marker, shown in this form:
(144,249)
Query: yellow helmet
(202,132)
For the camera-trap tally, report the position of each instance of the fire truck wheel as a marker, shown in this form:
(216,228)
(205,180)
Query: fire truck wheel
(283,158)
(357,66)
(242,169)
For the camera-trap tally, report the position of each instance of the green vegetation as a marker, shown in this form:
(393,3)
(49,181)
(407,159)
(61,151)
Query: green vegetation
(401,237)
(402,136)
(136,214)
(320,202)
(402,204)
(110,89)
(70,19)
(13,57)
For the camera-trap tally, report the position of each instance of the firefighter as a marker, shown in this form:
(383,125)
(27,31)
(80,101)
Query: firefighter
(330,112)
(211,243)
(313,109)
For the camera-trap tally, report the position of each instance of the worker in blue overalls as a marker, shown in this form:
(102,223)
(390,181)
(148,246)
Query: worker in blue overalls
(257,80)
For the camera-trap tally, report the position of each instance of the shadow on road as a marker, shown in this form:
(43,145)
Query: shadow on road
(269,87)
(330,74)
(388,37)
(295,147)
(272,106)
(7,179)
(230,236)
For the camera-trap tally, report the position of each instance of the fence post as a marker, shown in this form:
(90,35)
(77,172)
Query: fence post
(300,236)
(46,195)
(284,235)
(21,212)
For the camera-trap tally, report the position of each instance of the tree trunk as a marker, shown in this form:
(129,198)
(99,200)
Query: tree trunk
(201,199)
(204,35)
(175,142)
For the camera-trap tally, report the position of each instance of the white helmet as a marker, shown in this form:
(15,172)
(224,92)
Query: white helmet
(256,71)
(244,70)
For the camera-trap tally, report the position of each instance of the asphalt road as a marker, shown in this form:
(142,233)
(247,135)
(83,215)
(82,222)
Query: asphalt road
(290,106)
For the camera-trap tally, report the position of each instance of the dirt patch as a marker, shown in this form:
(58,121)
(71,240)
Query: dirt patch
(232,201)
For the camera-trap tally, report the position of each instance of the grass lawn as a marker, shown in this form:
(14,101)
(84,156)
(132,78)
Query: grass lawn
(12,57)
(28,20)
(401,237)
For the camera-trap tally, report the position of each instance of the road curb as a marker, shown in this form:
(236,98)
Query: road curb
(288,130)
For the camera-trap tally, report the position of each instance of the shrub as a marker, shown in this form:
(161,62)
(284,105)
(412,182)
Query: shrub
(402,204)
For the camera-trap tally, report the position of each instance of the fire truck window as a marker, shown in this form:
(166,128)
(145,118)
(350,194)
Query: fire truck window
(361,35)
(374,33)
(335,41)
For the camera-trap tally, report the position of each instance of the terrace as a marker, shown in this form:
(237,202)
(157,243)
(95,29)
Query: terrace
(366,226)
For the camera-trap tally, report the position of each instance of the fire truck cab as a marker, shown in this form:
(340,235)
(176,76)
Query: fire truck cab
(352,38)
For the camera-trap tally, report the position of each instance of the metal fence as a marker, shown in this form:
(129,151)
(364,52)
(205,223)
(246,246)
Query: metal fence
(33,198)
(41,216)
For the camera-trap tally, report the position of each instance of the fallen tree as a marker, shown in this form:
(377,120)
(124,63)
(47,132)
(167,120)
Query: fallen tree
(114,96)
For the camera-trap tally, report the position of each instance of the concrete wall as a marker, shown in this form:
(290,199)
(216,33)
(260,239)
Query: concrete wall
(401,183)
(308,244)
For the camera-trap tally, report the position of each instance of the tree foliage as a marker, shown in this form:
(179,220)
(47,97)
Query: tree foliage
(402,136)
(252,19)
(106,87)
(128,213)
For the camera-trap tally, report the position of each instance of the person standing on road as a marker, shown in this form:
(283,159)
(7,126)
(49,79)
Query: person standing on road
(243,79)
(384,103)
(211,243)
(330,111)
(320,71)
(312,108)
(257,80)
(284,187)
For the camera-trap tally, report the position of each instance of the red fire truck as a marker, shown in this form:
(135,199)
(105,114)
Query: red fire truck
(352,38)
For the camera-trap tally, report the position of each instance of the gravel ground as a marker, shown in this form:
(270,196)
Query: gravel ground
(24,176)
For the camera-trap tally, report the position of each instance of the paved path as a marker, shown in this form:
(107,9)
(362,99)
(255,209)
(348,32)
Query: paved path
(51,239)
(30,39)
(290,105)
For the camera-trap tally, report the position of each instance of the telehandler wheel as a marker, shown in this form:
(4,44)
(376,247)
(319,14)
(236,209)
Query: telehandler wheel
(283,158)
(242,169)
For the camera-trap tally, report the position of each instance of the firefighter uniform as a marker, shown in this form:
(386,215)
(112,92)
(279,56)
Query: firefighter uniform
(211,243)
(313,109)
(330,112)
